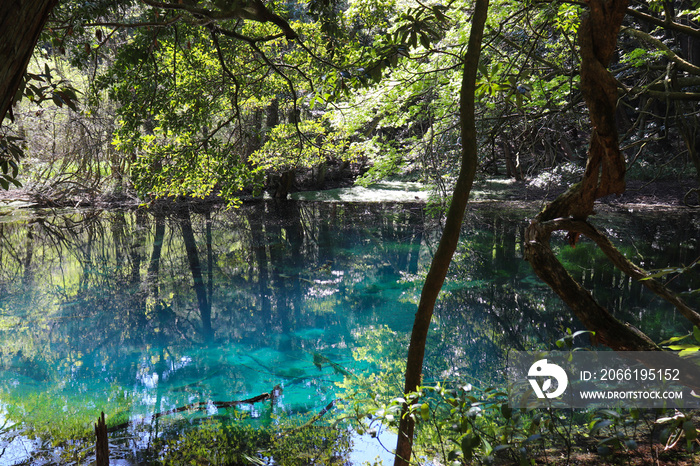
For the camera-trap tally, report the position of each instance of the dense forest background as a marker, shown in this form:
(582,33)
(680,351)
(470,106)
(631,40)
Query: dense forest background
(148,100)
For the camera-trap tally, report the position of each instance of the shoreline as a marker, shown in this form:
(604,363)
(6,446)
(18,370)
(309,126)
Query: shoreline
(639,195)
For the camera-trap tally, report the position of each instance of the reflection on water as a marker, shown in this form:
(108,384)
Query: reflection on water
(136,313)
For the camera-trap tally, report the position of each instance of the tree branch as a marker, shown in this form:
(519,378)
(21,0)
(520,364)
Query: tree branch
(670,54)
(608,330)
(663,23)
(254,10)
(170,22)
(200,405)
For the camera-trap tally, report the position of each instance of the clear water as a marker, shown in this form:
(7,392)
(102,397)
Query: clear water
(136,313)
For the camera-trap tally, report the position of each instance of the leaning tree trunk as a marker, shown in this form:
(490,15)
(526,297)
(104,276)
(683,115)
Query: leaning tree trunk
(450,235)
(21,22)
(605,174)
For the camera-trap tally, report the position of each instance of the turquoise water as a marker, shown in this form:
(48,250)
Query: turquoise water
(137,313)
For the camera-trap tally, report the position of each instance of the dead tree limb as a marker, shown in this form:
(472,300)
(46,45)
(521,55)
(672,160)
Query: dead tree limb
(202,405)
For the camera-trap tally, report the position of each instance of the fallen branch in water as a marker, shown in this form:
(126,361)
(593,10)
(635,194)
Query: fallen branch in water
(317,416)
(201,405)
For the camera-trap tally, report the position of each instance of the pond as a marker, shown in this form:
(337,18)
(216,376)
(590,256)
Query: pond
(135,313)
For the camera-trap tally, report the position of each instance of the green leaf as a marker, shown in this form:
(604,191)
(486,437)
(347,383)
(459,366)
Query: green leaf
(689,351)
(439,15)
(67,100)
(682,347)
(469,443)
(674,339)
(425,411)
(600,424)
(425,41)
(604,450)
(376,73)
(57,100)
(507,411)
(487,447)
(18,96)
(689,430)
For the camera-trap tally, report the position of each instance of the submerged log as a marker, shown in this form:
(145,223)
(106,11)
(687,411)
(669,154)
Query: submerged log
(202,405)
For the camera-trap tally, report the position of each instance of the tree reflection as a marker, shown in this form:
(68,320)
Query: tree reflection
(166,307)
(196,271)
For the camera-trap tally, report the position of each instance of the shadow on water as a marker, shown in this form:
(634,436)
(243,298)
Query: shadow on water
(136,313)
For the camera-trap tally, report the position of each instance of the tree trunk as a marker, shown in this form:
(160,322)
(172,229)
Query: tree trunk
(152,277)
(605,169)
(605,174)
(21,22)
(450,235)
(285,184)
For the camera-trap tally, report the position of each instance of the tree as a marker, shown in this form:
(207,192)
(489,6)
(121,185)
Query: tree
(21,24)
(77,28)
(604,175)
(450,235)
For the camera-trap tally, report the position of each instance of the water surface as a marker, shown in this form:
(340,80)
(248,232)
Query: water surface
(136,313)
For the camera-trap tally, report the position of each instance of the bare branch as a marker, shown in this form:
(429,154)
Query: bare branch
(228,72)
(662,23)
(170,22)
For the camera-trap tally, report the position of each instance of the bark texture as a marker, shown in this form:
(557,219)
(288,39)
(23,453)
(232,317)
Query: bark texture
(21,22)
(450,235)
(605,170)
